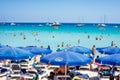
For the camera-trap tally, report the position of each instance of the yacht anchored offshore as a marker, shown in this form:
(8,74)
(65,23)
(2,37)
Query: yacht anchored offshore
(55,24)
(79,25)
(101,25)
(12,24)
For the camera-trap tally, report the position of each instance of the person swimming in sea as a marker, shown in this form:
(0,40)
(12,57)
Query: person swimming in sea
(96,38)
(14,34)
(88,36)
(24,37)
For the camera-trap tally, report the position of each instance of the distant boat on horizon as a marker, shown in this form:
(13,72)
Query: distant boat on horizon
(48,24)
(115,26)
(102,24)
(12,24)
(80,24)
(40,25)
(56,24)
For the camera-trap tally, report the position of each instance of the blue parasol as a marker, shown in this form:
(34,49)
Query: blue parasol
(63,58)
(37,50)
(14,53)
(110,59)
(109,50)
(80,49)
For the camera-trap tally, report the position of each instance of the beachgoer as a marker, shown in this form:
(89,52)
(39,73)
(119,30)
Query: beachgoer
(67,45)
(48,47)
(62,44)
(112,43)
(111,77)
(48,64)
(14,35)
(24,37)
(92,62)
(61,70)
(78,41)
(96,38)
(97,64)
(88,36)
(53,36)
(113,69)
(58,48)
(99,38)
(93,50)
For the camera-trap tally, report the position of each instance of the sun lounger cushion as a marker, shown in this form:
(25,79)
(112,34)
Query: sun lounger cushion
(94,78)
(85,76)
(3,70)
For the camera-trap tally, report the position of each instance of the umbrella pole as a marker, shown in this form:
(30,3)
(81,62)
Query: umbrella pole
(65,71)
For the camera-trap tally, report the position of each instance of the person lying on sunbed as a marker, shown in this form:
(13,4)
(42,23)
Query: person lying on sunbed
(61,70)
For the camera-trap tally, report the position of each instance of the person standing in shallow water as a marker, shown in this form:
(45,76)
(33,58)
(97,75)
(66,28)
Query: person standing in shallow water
(78,41)
(112,43)
(93,50)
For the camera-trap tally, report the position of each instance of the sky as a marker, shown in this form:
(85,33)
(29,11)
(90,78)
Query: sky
(84,11)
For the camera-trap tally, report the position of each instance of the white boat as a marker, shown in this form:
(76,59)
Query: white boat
(115,26)
(55,24)
(79,25)
(48,24)
(12,24)
(40,25)
(101,25)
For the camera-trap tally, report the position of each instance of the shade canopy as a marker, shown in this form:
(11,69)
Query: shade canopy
(110,59)
(37,50)
(80,49)
(66,58)
(14,53)
(109,50)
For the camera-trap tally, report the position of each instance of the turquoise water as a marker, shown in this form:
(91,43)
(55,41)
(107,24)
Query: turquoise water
(53,36)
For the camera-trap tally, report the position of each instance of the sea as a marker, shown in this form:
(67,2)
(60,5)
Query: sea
(66,35)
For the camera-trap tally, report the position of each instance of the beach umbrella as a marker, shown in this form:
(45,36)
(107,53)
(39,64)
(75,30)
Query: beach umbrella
(37,50)
(109,50)
(14,53)
(1,46)
(110,59)
(80,49)
(66,58)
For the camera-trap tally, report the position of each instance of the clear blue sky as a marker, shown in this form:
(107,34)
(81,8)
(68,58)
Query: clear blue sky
(60,10)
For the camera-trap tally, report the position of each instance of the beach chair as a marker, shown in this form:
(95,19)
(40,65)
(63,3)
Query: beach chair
(24,64)
(104,71)
(95,78)
(41,73)
(16,69)
(16,72)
